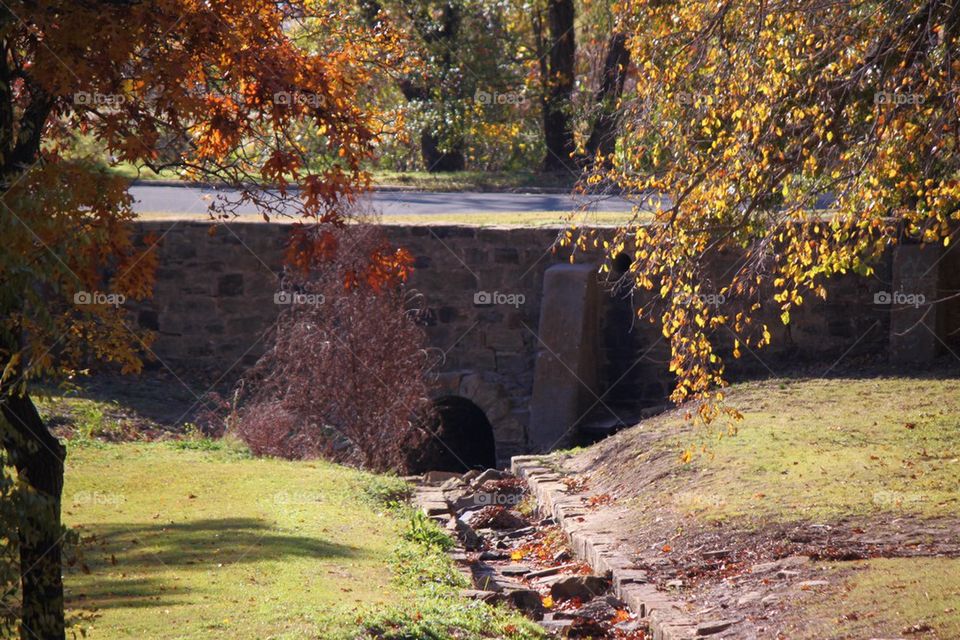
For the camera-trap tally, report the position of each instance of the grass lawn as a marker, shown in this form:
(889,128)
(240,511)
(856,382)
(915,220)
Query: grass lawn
(195,539)
(474,180)
(878,458)
(523,219)
(897,595)
(132,172)
(812,448)
(839,447)
(420,180)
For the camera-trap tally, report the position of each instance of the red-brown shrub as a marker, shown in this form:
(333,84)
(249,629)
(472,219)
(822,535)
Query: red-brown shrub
(345,378)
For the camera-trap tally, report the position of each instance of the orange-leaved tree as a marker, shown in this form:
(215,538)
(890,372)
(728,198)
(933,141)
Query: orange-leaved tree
(218,88)
(753,116)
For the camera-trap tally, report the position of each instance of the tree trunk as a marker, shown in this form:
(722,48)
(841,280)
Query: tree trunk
(603,137)
(38,457)
(557,128)
(436,160)
(35,453)
(441,33)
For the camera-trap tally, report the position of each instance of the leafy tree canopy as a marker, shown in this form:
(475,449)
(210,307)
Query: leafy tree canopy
(751,114)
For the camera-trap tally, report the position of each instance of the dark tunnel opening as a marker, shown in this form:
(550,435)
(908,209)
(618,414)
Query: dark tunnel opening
(463,438)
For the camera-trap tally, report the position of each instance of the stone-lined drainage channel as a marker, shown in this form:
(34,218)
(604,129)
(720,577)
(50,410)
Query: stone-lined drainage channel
(522,541)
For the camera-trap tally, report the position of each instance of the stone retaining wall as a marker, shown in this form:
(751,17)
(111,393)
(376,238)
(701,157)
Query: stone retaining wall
(214,300)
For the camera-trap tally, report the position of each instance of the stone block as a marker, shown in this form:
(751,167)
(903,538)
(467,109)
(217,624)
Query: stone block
(506,255)
(451,231)
(148,319)
(475,256)
(230,285)
(500,338)
(565,368)
(509,430)
(449,383)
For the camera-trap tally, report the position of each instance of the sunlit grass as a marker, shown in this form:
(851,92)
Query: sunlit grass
(840,451)
(827,448)
(196,539)
(896,596)
(519,219)
(420,180)
(806,448)
(474,180)
(183,542)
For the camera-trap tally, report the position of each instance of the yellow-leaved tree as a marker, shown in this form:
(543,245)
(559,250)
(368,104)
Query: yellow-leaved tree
(805,136)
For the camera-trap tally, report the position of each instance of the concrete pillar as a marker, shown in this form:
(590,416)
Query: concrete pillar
(565,368)
(913,323)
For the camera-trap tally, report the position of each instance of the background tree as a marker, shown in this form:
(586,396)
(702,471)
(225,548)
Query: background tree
(222,84)
(504,85)
(467,57)
(749,114)
(579,124)
(437,85)
(558,71)
(601,143)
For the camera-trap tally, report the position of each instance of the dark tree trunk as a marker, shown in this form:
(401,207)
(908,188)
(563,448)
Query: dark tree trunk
(557,128)
(603,137)
(38,457)
(446,37)
(35,453)
(442,33)
(437,161)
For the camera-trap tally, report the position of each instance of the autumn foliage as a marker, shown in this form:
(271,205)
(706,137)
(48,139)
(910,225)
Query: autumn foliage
(748,119)
(221,90)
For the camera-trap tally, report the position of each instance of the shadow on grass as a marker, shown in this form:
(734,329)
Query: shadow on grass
(147,565)
(157,398)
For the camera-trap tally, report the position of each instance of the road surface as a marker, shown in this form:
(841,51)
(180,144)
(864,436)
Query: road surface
(195,200)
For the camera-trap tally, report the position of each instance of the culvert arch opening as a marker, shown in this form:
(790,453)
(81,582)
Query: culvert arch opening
(463,438)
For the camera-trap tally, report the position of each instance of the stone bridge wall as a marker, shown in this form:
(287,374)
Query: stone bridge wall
(214,299)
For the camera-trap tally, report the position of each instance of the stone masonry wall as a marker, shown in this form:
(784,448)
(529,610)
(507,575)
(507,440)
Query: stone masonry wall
(482,293)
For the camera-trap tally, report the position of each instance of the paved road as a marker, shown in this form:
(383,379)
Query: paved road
(194,200)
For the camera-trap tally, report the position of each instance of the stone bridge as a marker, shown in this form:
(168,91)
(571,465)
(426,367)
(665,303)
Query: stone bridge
(537,353)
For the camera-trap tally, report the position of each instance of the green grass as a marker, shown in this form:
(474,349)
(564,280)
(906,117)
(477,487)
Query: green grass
(192,542)
(89,419)
(474,180)
(525,219)
(419,180)
(853,451)
(885,597)
(816,449)
(133,172)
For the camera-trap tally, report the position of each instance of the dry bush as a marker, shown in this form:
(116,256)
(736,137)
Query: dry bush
(345,378)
